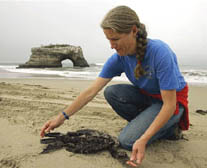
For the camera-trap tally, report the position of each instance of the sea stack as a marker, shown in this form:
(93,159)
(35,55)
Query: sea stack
(51,56)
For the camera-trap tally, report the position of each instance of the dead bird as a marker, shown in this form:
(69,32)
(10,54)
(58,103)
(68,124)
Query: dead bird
(86,141)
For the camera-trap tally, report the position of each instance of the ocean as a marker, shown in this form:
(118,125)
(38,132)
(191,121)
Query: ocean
(194,75)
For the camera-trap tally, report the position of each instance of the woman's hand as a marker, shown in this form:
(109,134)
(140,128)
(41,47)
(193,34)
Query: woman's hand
(138,151)
(52,124)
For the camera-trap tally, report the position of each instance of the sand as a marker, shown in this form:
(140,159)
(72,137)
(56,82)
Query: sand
(26,104)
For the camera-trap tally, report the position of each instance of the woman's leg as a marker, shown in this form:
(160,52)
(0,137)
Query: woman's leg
(140,111)
(136,127)
(126,100)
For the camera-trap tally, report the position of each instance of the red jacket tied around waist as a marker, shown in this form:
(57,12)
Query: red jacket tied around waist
(182,98)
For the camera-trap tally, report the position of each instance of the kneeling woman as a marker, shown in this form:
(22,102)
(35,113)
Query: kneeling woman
(156,101)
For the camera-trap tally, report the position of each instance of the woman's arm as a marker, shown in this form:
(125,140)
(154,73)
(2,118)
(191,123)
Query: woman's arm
(77,104)
(87,95)
(167,110)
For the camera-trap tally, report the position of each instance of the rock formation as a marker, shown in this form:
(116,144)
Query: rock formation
(52,56)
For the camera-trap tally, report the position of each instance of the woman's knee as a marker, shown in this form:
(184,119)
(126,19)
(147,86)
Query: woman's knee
(124,142)
(107,92)
(110,91)
(127,141)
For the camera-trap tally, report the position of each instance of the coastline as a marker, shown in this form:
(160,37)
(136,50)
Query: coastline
(27,103)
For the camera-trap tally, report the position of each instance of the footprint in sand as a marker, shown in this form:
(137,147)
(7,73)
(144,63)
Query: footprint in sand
(8,163)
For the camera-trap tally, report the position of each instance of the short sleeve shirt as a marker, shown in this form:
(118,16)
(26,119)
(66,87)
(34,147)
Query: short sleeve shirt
(159,62)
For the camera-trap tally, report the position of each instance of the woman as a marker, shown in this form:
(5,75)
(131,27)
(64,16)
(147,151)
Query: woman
(155,103)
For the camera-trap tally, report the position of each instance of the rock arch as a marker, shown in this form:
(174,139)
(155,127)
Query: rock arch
(52,55)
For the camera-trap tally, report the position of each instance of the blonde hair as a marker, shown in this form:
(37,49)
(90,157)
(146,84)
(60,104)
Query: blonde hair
(121,19)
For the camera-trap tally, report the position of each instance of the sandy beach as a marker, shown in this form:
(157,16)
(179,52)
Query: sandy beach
(25,105)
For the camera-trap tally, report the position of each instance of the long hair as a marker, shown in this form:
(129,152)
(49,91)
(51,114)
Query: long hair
(121,19)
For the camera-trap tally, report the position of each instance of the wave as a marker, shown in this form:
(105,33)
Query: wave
(192,76)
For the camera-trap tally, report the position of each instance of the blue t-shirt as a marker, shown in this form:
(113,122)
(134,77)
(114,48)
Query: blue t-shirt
(159,62)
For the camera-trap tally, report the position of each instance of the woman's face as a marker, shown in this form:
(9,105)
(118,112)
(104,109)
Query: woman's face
(123,43)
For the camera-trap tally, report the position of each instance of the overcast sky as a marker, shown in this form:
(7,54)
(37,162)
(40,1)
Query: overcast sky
(31,23)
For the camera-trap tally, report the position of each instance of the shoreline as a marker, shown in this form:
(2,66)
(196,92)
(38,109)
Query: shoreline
(5,74)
